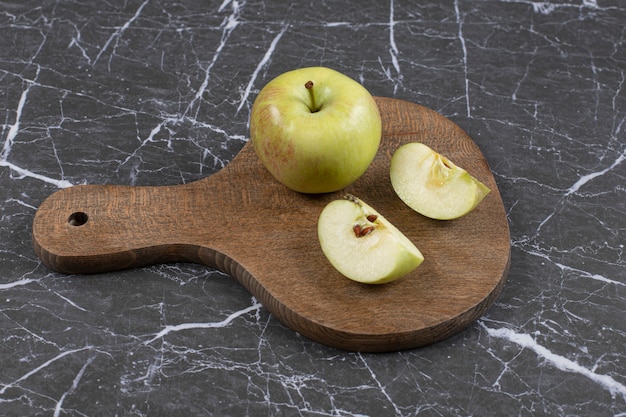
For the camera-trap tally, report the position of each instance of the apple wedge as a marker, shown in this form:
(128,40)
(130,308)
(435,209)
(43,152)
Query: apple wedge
(432,185)
(362,245)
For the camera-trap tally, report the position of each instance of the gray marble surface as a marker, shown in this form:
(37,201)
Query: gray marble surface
(154,92)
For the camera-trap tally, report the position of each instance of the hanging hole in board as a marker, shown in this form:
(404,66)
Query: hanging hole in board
(78,219)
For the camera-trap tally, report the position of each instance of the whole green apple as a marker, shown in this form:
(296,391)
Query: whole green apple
(315,130)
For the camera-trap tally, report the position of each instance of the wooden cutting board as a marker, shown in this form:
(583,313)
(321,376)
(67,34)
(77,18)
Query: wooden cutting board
(243,222)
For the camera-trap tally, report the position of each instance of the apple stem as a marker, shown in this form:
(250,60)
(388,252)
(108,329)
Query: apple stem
(309,86)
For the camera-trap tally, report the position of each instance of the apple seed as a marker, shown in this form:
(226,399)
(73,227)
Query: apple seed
(372,217)
(360,231)
(366,230)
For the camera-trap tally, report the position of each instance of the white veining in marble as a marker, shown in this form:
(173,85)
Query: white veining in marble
(558,361)
(188,326)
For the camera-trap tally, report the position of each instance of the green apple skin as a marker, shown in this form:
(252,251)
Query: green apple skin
(315,140)
(383,255)
(432,185)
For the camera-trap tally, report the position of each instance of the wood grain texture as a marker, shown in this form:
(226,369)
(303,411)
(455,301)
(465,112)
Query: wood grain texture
(243,222)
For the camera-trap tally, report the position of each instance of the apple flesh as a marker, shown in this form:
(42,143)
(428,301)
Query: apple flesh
(362,245)
(432,185)
(315,130)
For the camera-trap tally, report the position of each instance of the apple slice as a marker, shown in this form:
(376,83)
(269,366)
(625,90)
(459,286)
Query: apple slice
(362,245)
(432,185)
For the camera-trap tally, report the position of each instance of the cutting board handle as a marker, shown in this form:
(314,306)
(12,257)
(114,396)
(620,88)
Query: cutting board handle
(100,228)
